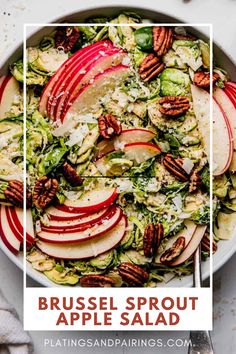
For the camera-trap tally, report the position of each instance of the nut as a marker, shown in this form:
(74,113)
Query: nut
(14,193)
(202,79)
(109,126)
(66,38)
(195,182)
(162,40)
(97,281)
(132,274)
(174,106)
(71,175)
(44,191)
(153,235)
(174,166)
(206,244)
(172,253)
(151,67)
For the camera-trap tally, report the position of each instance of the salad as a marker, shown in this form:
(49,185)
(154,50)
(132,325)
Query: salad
(117,153)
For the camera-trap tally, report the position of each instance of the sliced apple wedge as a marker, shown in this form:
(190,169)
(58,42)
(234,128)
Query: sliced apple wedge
(127,136)
(232,95)
(229,111)
(140,152)
(191,247)
(87,100)
(91,201)
(17,215)
(86,249)
(13,226)
(81,222)
(57,79)
(187,232)
(231,85)
(223,152)
(9,89)
(96,65)
(55,213)
(7,235)
(82,234)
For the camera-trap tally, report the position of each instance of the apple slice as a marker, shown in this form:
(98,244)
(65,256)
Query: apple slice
(232,95)
(82,221)
(191,247)
(140,152)
(127,136)
(9,89)
(13,226)
(91,201)
(82,234)
(96,65)
(187,232)
(223,152)
(77,67)
(229,111)
(55,213)
(86,249)
(87,100)
(231,85)
(57,78)
(17,216)
(6,233)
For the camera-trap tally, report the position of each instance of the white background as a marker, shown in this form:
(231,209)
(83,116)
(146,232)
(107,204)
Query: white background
(13,13)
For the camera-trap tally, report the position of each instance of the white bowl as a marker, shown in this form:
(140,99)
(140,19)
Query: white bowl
(226,248)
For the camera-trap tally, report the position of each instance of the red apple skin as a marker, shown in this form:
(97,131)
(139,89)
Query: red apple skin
(5,239)
(231,147)
(74,87)
(232,95)
(90,237)
(13,226)
(91,208)
(64,216)
(3,85)
(191,247)
(29,238)
(48,88)
(87,54)
(107,146)
(112,69)
(83,226)
(231,85)
(63,256)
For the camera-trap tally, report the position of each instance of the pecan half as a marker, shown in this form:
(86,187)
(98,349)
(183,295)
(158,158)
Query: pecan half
(44,191)
(71,175)
(173,252)
(151,67)
(202,79)
(206,244)
(195,182)
(132,274)
(66,38)
(14,194)
(109,126)
(174,106)
(174,166)
(97,281)
(153,235)
(162,40)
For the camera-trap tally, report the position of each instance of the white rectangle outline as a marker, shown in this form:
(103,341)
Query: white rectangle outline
(210,26)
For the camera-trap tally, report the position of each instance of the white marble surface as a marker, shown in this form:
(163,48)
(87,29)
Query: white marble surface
(13,13)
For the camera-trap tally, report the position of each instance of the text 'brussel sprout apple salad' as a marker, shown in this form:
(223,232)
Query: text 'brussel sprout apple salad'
(117,153)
